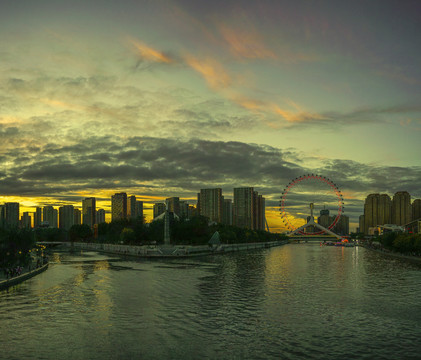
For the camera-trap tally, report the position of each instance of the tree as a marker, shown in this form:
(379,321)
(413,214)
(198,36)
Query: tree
(127,236)
(80,232)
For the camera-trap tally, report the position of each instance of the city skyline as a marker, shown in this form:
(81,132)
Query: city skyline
(382,210)
(162,99)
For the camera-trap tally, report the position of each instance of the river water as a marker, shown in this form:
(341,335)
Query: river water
(298,301)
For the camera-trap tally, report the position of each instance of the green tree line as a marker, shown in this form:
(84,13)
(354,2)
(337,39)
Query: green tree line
(402,242)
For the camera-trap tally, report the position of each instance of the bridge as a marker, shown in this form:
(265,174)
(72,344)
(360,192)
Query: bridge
(50,243)
(296,235)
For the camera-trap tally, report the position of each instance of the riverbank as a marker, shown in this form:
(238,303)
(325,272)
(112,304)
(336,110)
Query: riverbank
(173,251)
(4,284)
(414,259)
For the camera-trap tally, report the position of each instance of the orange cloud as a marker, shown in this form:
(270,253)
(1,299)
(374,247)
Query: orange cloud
(247,44)
(264,106)
(298,117)
(149,53)
(211,70)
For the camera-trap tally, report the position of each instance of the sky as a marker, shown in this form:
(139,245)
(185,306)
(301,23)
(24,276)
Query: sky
(163,98)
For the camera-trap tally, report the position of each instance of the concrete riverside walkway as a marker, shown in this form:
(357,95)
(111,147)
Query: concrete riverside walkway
(173,251)
(6,283)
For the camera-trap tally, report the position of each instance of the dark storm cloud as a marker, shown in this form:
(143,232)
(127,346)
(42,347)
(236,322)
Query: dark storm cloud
(367,115)
(386,179)
(108,163)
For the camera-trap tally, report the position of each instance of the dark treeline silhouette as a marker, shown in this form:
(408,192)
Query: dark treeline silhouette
(195,231)
(15,247)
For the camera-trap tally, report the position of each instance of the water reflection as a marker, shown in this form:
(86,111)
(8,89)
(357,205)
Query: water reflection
(296,301)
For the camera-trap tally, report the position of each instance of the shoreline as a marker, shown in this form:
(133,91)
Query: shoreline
(5,284)
(414,259)
(173,251)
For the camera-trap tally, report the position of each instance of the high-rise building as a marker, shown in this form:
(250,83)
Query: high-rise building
(192,211)
(158,209)
(401,208)
(100,216)
(260,214)
(173,205)
(77,217)
(119,206)
(184,210)
(325,219)
(361,223)
(89,211)
(227,212)
(12,214)
(416,209)
(37,217)
(211,203)
(134,208)
(2,216)
(25,220)
(131,207)
(139,209)
(66,217)
(243,208)
(371,206)
(49,216)
(384,210)
(342,226)
(377,211)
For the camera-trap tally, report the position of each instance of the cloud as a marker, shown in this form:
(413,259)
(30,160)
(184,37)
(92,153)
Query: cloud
(246,43)
(291,117)
(150,54)
(211,70)
(162,167)
(155,168)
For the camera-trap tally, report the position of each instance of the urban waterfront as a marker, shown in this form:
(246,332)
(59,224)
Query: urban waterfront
(293,301)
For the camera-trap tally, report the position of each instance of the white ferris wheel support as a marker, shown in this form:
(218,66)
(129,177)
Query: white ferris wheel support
(313,223)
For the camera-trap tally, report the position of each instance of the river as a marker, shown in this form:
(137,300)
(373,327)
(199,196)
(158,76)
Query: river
(298,301)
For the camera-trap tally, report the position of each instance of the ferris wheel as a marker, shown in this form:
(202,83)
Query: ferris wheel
(322,194)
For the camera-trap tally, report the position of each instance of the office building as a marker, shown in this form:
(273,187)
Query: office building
(325,219)
(260,214)
(119,206)
(89,211)
(131,207)
(377,211)
(193,211)
(2,216)
(342,226)
(210,202)
(384,209)
(25,220)
(361,224)
(184,210)
(66,217)
(158,209)
(100,216)
(12,214)
(139,210)
(37,217)
(416,209)
(243,208)
(49,216)
(401,208)
(227,212)
(173,205)
(77,217)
